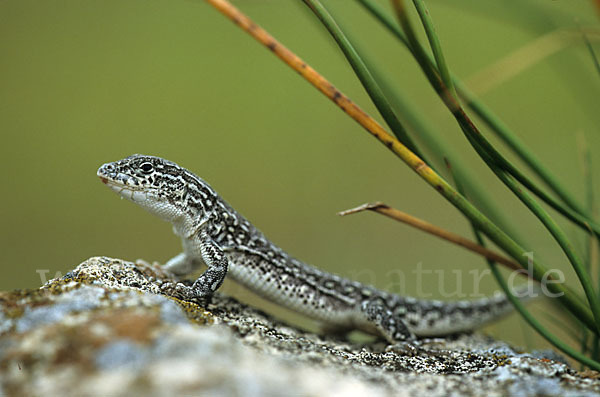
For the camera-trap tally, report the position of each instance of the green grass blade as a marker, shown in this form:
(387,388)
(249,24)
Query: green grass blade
(521,309)
(435,45)
(475,136)
(491,230)
(489,118)
(492,158)
(571,333)
(553,339)
(435,143)
(586,160)
(588,44)
(421,56)
(559,236)
(570,300)
(592,240)
(507,136)
(532,321)
(379,13)
(364,75)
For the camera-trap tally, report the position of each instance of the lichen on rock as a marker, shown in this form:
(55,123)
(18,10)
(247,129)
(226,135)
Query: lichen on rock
(104,329)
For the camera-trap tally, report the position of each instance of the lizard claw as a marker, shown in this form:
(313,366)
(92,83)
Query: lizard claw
(173,289)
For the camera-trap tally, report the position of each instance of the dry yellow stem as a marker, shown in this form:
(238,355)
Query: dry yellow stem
(329,90)
(398,215)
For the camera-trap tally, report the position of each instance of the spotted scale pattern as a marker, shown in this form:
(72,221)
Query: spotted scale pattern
(214,234)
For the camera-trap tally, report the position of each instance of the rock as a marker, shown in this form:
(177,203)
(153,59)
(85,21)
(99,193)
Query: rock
(103,329)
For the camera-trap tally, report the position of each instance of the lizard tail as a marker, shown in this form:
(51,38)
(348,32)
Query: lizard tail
(466,315)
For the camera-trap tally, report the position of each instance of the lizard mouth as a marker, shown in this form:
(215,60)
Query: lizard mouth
(132,193)
(118,183)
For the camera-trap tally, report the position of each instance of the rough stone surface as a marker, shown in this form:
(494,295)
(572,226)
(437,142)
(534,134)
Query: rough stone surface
(103,329)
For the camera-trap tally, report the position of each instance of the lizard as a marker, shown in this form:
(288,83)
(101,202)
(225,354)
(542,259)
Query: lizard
(214,234)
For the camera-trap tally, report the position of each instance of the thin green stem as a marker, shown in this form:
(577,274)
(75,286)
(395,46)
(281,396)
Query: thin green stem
(559,344)
(492,157)
(560,238)
(586,157)
(517,146)
(471,131)
(508,245)
(474,135)
(364,75)
(489,118)
(498,236)
(592,52)
(592,239)
(436,47)
(421,56)
(532,321)
(436,143)
(490,229)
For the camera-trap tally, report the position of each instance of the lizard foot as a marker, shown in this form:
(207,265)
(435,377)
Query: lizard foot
(390,327)
(185,292)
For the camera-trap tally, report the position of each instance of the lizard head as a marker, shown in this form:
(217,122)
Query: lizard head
(156,184)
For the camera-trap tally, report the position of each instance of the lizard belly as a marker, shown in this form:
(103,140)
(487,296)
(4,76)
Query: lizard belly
(285,289)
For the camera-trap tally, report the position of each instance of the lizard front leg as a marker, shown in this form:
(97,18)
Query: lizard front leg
(210,280)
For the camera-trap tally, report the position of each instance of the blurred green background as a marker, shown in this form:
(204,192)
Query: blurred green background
(86,82)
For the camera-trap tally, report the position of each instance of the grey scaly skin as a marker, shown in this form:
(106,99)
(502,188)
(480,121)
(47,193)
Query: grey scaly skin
(214,234)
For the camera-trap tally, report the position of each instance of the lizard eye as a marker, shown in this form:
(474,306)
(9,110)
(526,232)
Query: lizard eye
(146,168)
